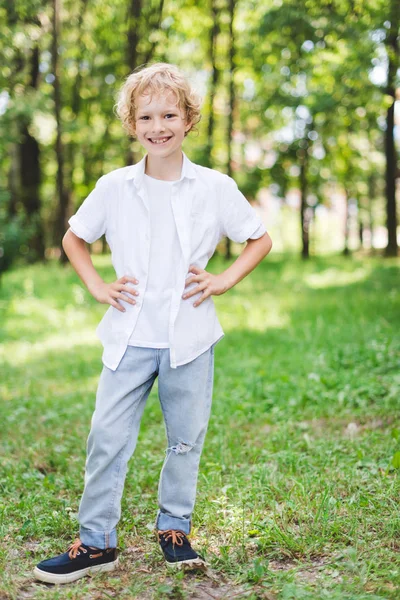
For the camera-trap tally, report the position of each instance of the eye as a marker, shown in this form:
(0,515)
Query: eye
(144,117)
(170,115)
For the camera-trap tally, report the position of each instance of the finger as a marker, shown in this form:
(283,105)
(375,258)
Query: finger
(117,306)
(129,290)
(120,287)
(195,269)
(201,299)
(193,279)
(115,294)
(125,298)
(126,278)
(195,290)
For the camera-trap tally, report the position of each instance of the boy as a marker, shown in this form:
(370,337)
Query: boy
(162,218)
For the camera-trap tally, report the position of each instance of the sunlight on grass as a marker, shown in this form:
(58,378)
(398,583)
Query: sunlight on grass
(31,312)
(21,352)
(336,277)
(243,313)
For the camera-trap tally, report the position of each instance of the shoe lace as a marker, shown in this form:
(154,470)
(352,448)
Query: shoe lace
(74,549)
(176,536)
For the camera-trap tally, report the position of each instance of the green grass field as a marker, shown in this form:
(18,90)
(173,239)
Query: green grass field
(298,494)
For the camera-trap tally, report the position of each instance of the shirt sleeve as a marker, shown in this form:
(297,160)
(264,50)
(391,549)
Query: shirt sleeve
(259,232)
(89,222)
(239,219)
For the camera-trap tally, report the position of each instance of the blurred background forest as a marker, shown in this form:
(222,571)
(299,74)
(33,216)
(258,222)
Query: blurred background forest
(299,107)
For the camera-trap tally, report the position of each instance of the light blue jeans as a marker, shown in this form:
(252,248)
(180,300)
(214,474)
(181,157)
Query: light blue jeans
(185,395)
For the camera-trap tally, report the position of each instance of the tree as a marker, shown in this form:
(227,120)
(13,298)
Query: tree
(393,62)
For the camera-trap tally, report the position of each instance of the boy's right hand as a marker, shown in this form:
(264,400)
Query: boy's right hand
(110,293)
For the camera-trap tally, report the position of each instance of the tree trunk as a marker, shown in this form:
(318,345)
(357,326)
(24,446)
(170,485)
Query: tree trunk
(14,180)
(392,48)
(371,198)
(346,250)
(132,56)
(361,232)
(158,19)
(71,150)
(24,174)
(134,11)
(62,196)
(135,8)
(213,82)
(30,192)
(231,8)
(304,208)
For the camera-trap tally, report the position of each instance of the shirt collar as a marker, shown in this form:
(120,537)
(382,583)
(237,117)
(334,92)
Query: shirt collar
(136,171)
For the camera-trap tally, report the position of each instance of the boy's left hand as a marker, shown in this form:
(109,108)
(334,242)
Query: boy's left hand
(209,284)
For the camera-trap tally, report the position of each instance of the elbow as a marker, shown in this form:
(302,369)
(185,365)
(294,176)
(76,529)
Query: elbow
(268,243)
(67,236)
(263,243)
(70,236)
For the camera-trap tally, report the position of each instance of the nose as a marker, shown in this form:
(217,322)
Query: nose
(158,125)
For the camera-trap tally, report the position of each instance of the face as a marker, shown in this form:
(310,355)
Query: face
(160,123)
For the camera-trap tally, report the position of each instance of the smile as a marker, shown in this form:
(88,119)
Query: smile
(159,141)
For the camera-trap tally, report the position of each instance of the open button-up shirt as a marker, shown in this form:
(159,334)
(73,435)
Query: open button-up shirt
(207,206)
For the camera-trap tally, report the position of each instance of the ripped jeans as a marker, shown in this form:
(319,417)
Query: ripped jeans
(185,395)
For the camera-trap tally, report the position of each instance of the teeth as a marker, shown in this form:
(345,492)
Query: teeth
(160,141)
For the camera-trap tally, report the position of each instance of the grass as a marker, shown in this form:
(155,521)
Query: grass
(298,493)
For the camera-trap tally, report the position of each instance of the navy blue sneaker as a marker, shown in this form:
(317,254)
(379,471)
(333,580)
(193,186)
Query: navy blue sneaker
(177,550)
(78,561)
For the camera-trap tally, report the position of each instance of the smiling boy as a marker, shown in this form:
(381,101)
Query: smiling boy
(163,218)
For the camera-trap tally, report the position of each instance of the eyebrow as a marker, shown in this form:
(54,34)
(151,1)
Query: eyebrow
(167,110)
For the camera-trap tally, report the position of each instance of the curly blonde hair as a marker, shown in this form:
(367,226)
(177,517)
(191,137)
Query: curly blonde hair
(154,79)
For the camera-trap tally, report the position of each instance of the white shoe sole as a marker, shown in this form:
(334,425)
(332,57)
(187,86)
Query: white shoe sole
(194,563)
(69,577)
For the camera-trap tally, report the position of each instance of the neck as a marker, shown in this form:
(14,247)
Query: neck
(168,168)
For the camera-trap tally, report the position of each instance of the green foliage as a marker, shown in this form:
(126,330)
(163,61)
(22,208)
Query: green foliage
(303,87)
(14,233)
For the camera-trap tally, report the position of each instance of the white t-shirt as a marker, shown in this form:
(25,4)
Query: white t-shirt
(152,326)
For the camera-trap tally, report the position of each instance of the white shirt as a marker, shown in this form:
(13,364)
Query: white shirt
(207,206)
(151,329)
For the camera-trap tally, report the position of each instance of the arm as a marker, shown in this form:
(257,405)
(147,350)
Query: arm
(209,284)
(79,257)
(106,293)
(251,256)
